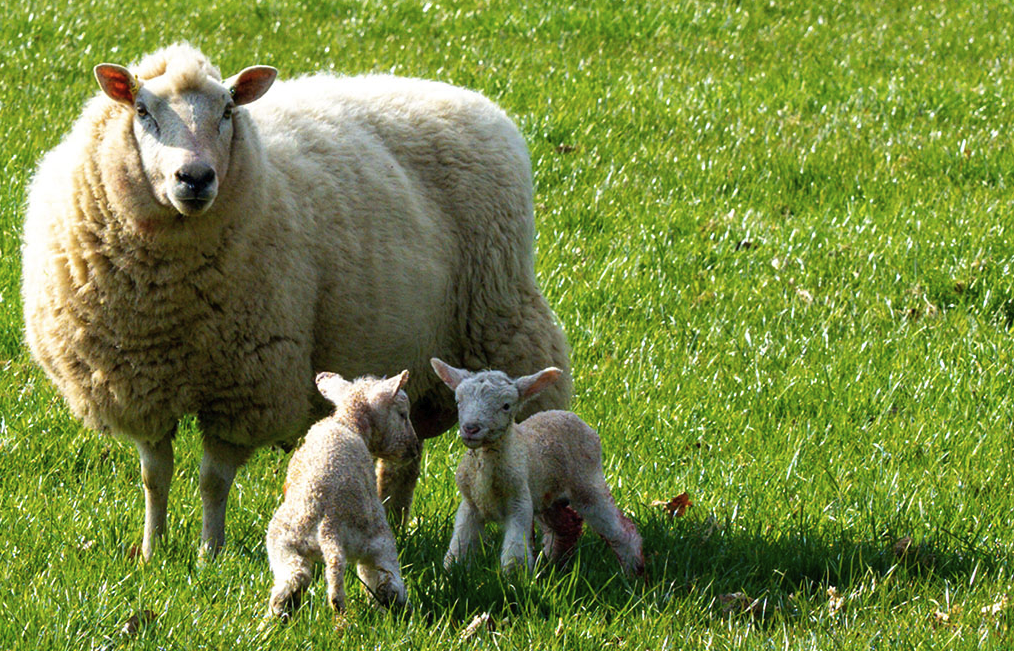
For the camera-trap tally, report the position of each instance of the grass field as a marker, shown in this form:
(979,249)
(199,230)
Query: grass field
(779,237)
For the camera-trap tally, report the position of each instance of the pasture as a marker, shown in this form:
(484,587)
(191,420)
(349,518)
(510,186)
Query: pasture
(778,234)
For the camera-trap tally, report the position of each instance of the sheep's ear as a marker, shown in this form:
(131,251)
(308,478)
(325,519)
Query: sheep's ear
(331,384)
(451,376)
(531,385)
(117,82)
(392,386)
(250,83)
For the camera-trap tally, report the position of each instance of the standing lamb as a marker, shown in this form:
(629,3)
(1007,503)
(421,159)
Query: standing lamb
(548,467)
(189,250)
(331,509)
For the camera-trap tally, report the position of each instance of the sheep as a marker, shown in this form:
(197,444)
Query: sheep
(204,247)
(331,509)
(547,468)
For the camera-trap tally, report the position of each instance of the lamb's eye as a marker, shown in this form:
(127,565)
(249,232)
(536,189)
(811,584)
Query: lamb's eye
(141,109)
(227,113)
(506,406)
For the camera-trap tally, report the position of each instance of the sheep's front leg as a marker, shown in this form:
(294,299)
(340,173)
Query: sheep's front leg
(218,469)
(517,537)
(396,480)
(467,534)
(156,475)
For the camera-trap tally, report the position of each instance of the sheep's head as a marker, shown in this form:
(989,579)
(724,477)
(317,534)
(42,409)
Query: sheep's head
(489,401)
(381,410)
(183,122)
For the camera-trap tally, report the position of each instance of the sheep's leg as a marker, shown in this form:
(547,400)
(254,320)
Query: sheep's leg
(561,528)
(156,475)
(292,571)
(219,464)
(517,537)
(379,570)
(396,482)
(334,564)
(467,534)
(599,511)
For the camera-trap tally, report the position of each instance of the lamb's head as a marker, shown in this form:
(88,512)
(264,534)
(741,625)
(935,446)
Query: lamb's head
(183,120)
(380,409)
(489,401)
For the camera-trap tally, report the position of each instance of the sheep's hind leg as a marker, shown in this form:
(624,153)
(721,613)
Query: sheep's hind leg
(561,527)
(378,568)
(219,464)
(334,565)
(292,572)
(156,475)
(599,510)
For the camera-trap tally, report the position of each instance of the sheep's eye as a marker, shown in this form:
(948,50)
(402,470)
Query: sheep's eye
(227,114)
(506,406)
(141,109)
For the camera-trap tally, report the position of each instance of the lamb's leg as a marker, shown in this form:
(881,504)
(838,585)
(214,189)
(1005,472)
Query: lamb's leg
(561,528)
(517,537)
(599,510)
(291,570)
(467,534)
(334,564)
(379,570)
(156,475)
(219,464)
(396,482)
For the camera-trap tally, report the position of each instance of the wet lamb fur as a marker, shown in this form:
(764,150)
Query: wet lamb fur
(331,510)
(548,468)
(359,225)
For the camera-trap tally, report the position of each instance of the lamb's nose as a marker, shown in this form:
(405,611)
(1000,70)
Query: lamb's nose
(470,428)
(197,176)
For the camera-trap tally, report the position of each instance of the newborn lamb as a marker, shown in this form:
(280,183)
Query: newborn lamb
(331,510)
(548,467)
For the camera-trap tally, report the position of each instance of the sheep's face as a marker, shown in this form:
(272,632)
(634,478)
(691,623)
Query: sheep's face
(183,127)
(489,401)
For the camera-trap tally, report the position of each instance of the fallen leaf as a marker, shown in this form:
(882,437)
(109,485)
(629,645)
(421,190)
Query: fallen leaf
(835,600)
(740,602)
(942,618)
(902,546)
(565,149)
(480,622)
(677,506)
(136,621)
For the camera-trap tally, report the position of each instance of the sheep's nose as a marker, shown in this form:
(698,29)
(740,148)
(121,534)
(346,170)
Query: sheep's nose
(196,176)
(470,428)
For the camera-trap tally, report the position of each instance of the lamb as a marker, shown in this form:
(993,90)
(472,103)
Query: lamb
(199,246)
(331,508)
(548,467)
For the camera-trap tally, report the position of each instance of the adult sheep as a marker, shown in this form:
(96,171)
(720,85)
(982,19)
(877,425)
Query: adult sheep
(188,250)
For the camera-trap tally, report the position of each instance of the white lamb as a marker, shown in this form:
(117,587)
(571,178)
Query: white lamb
(331,510)
(199,246)
(548,467)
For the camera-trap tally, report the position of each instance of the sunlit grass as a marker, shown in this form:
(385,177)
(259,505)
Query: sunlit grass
(778,235)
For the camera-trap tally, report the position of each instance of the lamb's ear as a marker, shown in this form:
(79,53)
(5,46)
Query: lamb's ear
(251,83)
(117,82)
(531,385)
(451,376)
(393,385)
(331,385)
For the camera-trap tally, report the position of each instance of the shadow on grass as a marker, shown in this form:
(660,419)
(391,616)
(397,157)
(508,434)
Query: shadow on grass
(687,560)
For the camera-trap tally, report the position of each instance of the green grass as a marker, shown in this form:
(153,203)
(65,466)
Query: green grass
(778,235)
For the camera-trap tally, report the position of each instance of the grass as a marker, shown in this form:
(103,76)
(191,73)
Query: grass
(778,235)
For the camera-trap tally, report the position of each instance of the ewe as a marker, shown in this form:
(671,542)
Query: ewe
(548,467)
(331,509)
(189,250)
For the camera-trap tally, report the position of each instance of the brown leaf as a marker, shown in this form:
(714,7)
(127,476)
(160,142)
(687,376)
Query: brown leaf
(677,506)
(740,602)
(902,546)
(479,623)
(835,600)
(136,621)
(565,149)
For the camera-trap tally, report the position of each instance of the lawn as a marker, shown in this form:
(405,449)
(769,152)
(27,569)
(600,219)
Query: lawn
(779,237)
